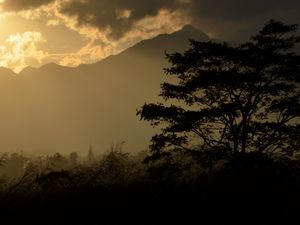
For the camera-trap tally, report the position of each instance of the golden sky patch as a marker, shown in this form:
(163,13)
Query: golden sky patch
(22,49)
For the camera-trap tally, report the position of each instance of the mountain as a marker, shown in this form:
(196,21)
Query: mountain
(5,72)
(57,108)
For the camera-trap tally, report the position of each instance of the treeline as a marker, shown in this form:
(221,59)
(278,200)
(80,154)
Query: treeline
(14,165)
(135,184)
(116,169)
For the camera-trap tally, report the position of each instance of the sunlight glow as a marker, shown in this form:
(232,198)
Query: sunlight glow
(19,49)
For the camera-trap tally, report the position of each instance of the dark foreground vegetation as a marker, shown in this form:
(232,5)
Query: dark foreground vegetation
(121,188)
(228,150)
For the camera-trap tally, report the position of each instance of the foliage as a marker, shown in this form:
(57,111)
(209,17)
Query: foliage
(231,99)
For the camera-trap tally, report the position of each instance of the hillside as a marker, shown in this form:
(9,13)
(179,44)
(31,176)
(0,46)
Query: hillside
(57,108)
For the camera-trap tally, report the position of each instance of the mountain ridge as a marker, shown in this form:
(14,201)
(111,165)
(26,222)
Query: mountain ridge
(58,108)
(187,30)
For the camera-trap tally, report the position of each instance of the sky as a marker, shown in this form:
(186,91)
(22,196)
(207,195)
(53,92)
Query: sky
(74,32)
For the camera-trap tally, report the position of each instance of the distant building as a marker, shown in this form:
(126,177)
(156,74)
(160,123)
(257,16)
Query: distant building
(91,157)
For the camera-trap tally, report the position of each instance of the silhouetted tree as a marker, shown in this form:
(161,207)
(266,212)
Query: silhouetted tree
(3,158)
(232,100)
(14,166)
(57,162)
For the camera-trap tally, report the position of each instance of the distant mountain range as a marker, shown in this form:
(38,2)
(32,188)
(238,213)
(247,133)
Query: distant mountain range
(56,108)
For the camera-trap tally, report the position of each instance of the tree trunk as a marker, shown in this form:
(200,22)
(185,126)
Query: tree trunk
(235,146)
(244,144)
(244,136)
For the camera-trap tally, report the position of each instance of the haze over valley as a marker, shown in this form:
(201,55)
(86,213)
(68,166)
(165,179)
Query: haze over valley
(56,108)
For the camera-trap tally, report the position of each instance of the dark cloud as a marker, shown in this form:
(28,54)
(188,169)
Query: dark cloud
(18,5)
(237,9)
(236,19)
(228,19)
(108,13)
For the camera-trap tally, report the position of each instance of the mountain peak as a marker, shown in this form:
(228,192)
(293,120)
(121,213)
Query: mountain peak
(6,71)
(49,65)
(27,69)
(193,33)
(53,66)
(189,27)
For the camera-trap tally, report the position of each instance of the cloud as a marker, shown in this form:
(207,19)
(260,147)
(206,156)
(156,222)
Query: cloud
(236,19)
(117,16)
(19,5)
(236,9)
(224,19)
(52,22)
(100,46)
(21,50)
(109,26)
(114,17)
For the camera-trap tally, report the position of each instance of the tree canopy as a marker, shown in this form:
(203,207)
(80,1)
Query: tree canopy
(231,100)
